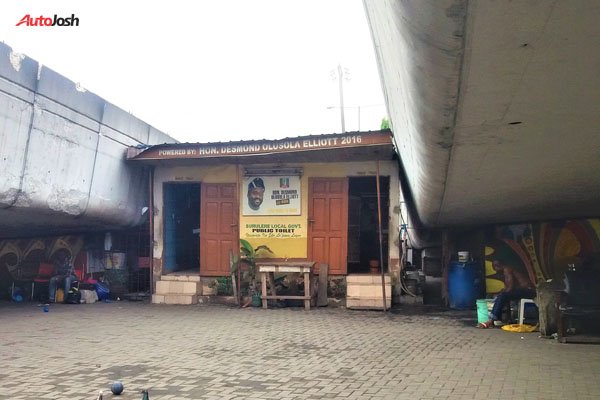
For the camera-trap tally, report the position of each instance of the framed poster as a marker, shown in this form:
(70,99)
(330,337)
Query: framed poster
(271,195)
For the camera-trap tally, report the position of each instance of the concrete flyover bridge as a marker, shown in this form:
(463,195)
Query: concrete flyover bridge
(62,153)
(494,106)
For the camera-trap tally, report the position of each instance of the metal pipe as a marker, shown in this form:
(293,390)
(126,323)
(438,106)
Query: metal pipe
(239,274)
(89,194)
(403,250)
(380,240)
(15,198)
(151,225)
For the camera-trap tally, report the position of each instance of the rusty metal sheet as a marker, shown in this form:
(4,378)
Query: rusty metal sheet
(260,147)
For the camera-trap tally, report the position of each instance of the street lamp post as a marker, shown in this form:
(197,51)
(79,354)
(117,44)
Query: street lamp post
(341,85)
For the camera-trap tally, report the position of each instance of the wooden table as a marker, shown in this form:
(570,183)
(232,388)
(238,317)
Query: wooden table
(266,270)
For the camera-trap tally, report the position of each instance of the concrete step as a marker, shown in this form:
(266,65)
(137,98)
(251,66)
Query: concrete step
(366,279)
(167,287)
(364,291)
(175,299)
(181,278)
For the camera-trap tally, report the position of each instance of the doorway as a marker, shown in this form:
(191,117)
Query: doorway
(363,233)
(181,227)
(328,223)
(219,235)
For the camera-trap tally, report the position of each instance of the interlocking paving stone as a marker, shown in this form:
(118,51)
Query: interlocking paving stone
(219,352)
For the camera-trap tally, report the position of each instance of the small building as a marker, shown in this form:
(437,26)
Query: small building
(312,198)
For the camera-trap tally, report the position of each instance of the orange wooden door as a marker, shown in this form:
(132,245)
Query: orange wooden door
(218,228)
(328,223)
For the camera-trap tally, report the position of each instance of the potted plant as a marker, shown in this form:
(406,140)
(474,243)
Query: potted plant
(374,266)
(248,255)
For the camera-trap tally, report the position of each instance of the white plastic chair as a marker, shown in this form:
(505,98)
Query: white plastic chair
(522,309)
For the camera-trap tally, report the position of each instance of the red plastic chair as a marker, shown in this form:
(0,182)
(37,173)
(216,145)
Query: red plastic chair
(45,272)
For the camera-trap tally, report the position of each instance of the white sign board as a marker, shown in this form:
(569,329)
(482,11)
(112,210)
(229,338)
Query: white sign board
(271,195)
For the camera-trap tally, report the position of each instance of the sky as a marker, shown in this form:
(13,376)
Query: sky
(216,70)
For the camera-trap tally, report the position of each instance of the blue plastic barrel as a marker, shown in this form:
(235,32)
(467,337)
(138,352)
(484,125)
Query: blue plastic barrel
(464,285)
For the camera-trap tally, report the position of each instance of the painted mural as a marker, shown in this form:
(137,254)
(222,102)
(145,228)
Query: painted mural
(20,258)
(543,250)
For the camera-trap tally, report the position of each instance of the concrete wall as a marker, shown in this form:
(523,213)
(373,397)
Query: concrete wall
(62,152)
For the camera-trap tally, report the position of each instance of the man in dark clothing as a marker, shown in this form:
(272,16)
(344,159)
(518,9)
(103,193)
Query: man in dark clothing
(516,286)
(256,191)
(63,270)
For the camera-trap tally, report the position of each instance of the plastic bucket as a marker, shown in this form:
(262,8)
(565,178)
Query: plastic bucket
(463,256)
(102,291)
(256,300)
(60,296)
(482,310)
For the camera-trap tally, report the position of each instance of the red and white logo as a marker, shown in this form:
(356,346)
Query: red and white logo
(28,20)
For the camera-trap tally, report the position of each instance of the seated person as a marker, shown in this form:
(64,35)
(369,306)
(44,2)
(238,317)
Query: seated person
(516,286)
(63,275)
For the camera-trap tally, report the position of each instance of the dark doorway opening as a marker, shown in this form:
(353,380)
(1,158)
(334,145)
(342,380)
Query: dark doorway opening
(363,234)
(181,227)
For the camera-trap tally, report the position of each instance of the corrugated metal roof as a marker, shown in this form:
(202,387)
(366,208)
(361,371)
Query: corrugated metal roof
(255,147)
(271,140)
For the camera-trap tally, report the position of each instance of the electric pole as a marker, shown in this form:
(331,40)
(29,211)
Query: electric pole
(341,85)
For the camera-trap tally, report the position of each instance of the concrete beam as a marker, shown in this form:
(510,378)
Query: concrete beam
(62,155)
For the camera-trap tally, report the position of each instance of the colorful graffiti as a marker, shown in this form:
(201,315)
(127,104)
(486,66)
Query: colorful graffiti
(543,250)
(21,257)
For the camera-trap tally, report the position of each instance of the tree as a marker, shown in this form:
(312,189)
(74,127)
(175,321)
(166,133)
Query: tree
(385,124)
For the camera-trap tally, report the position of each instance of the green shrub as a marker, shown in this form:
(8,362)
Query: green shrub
(223,285)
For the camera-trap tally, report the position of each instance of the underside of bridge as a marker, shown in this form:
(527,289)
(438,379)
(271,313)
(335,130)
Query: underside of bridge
(62,155)
(494,106)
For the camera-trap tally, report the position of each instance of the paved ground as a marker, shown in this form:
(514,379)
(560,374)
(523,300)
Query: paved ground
(217,352)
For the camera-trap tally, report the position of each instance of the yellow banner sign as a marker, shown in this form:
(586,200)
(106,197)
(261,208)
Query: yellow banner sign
(277,231)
